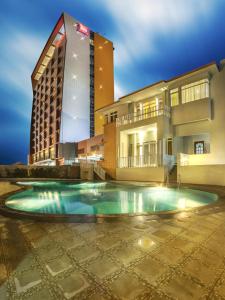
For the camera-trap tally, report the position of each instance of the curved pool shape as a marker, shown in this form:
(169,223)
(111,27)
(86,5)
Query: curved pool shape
(104,198)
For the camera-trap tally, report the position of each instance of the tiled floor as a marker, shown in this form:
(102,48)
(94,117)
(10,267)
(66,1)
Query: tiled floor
(138,258)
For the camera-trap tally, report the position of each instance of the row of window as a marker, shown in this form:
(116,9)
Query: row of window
(190,92)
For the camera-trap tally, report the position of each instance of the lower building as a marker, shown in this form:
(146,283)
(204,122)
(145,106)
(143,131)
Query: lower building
(170,130)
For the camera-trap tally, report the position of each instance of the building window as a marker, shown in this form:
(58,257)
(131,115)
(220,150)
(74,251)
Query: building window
(174,97)
(199,147)
(195,91)
(113,116)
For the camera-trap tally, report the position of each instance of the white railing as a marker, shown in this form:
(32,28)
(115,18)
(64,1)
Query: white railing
(137,116)
(138,161)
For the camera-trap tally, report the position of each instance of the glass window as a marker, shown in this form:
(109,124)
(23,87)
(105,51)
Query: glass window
(113,116)
(195,91)
(199,147)
(174,97)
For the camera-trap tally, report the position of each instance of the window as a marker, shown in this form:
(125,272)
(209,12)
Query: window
(113,116)
(199,147)
(174,97)
(169,146)
(195,91)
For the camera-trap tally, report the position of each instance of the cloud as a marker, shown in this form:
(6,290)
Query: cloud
(140,22)
(19,51)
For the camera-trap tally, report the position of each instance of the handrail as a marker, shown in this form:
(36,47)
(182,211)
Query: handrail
(138,161)
(137,116)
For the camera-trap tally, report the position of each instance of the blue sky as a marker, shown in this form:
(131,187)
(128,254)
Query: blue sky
(153,40)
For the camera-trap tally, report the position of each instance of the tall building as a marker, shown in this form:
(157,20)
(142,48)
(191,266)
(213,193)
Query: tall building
(71,81)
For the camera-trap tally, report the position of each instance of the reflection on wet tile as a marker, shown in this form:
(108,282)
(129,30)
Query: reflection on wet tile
(146,243)
(127,253)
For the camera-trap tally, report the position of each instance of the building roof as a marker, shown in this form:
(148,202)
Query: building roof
(172,79)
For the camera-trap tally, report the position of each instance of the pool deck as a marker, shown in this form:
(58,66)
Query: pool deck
(180,256)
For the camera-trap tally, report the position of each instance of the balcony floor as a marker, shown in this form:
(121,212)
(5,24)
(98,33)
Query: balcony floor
(149,257)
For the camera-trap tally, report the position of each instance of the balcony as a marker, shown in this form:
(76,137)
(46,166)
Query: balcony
(152,112)
(138,161)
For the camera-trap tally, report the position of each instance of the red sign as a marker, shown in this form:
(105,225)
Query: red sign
(83,29)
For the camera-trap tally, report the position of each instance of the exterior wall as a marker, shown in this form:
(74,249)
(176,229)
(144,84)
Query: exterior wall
(141,174)
(191,112)
(47,101)
(103,78)
(109,163)
(91,147)
(205,174)
(75,119)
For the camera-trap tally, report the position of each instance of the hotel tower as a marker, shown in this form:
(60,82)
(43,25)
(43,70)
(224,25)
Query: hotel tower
(72,80)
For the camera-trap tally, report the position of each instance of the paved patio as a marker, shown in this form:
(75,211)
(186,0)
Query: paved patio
(150,257)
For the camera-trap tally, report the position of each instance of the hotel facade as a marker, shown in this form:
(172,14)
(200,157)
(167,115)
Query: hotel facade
(171,130)
(72,79)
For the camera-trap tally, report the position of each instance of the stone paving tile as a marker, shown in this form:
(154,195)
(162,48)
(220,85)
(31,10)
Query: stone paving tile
(84,253)
(127,286)
(59,265)
(27,280)
(72,285)
(102,267)
(151,269)
(127,253)
(181,287)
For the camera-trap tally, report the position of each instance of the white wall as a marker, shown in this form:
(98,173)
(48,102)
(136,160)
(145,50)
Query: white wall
(75,122)
(141,174)
(202,174)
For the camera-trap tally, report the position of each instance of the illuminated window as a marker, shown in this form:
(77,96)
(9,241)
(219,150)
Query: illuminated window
(199,147)
(195,91)
(174,97)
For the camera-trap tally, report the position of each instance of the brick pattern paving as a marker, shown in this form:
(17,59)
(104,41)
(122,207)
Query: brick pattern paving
(138,258)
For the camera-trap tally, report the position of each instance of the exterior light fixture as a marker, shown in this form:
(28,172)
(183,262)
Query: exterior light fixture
(100,69)
(100,47)
(74,76)
(75,55)
(101,86)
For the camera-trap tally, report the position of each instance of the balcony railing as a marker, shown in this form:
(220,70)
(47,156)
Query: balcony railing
(137,116)
(138,161)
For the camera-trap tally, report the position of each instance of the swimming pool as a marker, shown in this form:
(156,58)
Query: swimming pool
(104,198)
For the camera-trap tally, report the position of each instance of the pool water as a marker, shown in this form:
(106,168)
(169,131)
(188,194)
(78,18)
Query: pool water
(51,197)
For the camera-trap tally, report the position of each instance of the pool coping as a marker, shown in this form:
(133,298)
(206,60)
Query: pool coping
(99,218)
